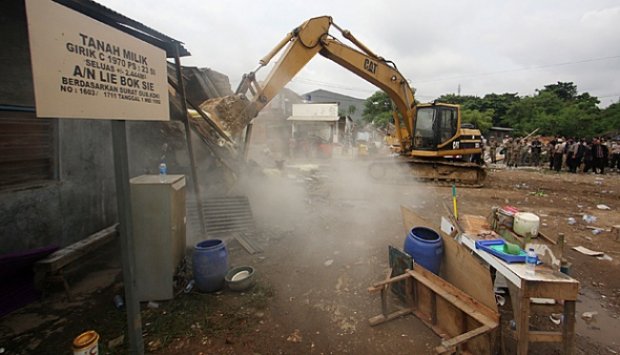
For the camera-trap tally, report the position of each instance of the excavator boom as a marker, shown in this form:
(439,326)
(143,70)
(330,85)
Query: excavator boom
(437,136)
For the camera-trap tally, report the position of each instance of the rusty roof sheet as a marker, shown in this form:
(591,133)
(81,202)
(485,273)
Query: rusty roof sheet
(125,24)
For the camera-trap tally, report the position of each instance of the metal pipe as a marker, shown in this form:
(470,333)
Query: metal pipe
(266,59)
(188,137)
(348,35)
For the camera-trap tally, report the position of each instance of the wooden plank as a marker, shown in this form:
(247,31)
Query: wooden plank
(248,245)
(376,320)
(450,344)
(378,286)
(62,257)
(522,316)
(442,307)
(459,267)
(458,298)
(556,290)
(473,224)
(568,328)
(539,336)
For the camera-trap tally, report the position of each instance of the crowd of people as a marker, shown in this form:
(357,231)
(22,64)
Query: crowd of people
(558,153)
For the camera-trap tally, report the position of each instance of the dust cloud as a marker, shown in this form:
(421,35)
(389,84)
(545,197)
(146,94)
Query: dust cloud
(329,205)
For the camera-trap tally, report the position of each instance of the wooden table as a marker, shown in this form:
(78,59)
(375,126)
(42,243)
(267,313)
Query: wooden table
(546,283)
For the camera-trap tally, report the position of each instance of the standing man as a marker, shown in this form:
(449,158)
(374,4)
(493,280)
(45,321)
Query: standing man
(493,150)
(615,156)
(558,153)
(587,157)
(507,152)
(551,152)
(571,156)
(524,152)
(599,156)
(536,150)
(516,152)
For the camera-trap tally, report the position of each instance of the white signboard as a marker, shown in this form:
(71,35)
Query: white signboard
(83,68)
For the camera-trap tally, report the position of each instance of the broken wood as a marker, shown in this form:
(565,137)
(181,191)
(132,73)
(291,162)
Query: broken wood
(437,304)
(53,265)
(250,246)
(458,266)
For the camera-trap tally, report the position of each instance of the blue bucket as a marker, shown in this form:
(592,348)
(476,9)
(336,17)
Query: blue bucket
(210,265)
(426,247)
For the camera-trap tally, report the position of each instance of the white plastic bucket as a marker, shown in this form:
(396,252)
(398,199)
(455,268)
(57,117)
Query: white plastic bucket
(526,223)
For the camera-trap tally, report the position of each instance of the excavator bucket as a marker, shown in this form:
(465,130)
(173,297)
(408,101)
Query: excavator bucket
(231,113)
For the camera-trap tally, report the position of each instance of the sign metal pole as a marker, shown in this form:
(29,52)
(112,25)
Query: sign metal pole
(123,200)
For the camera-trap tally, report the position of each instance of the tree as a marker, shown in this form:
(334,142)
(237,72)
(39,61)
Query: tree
(609,120)
(556,109)
(378,109)
(564,91)
(483,120)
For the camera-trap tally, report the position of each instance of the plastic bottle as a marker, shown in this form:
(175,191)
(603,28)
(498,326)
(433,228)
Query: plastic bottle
(119,302)
(530,261)
(163,171)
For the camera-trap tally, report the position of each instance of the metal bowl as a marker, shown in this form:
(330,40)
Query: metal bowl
(240,278)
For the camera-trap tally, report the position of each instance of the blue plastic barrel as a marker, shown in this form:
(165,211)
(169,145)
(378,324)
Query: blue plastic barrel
(426,247)
(210,264)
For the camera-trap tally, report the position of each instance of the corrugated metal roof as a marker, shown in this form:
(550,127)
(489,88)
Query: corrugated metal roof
(313,118)
(123,23)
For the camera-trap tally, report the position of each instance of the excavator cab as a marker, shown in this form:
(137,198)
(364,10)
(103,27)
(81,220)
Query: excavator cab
(435,125)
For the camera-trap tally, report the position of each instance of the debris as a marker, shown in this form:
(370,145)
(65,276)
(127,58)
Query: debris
(556,318)
(603,207)
(605,257)
(501,300)
(189,287)
(152,304)
(589,218)
(588,252)
(116,341)
(571,221)
(153,345)
(589,316)
(600,228)
(597,231)
(328,262)
(119,302)
(295,337)
(537,300)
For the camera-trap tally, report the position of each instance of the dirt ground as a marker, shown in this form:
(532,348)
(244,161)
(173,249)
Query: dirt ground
(324,236)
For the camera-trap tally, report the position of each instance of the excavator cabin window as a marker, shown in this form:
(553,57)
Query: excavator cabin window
(433,126)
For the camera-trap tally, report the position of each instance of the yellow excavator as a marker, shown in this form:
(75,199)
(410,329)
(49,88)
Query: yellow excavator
(433,144)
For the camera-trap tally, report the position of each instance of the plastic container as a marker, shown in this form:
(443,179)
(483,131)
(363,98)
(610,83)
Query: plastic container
(530,262)
(86,343)
(506,216)
(526,223)
(240,278)
(209,265)
(496,247)
(426,247)
(163,171)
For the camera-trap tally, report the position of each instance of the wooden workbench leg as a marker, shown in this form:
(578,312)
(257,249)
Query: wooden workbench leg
(522,316)
(568,328)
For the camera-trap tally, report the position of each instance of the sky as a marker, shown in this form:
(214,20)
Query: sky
(480,47)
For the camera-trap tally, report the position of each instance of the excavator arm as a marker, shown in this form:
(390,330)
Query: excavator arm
(298,48)
(432,143)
